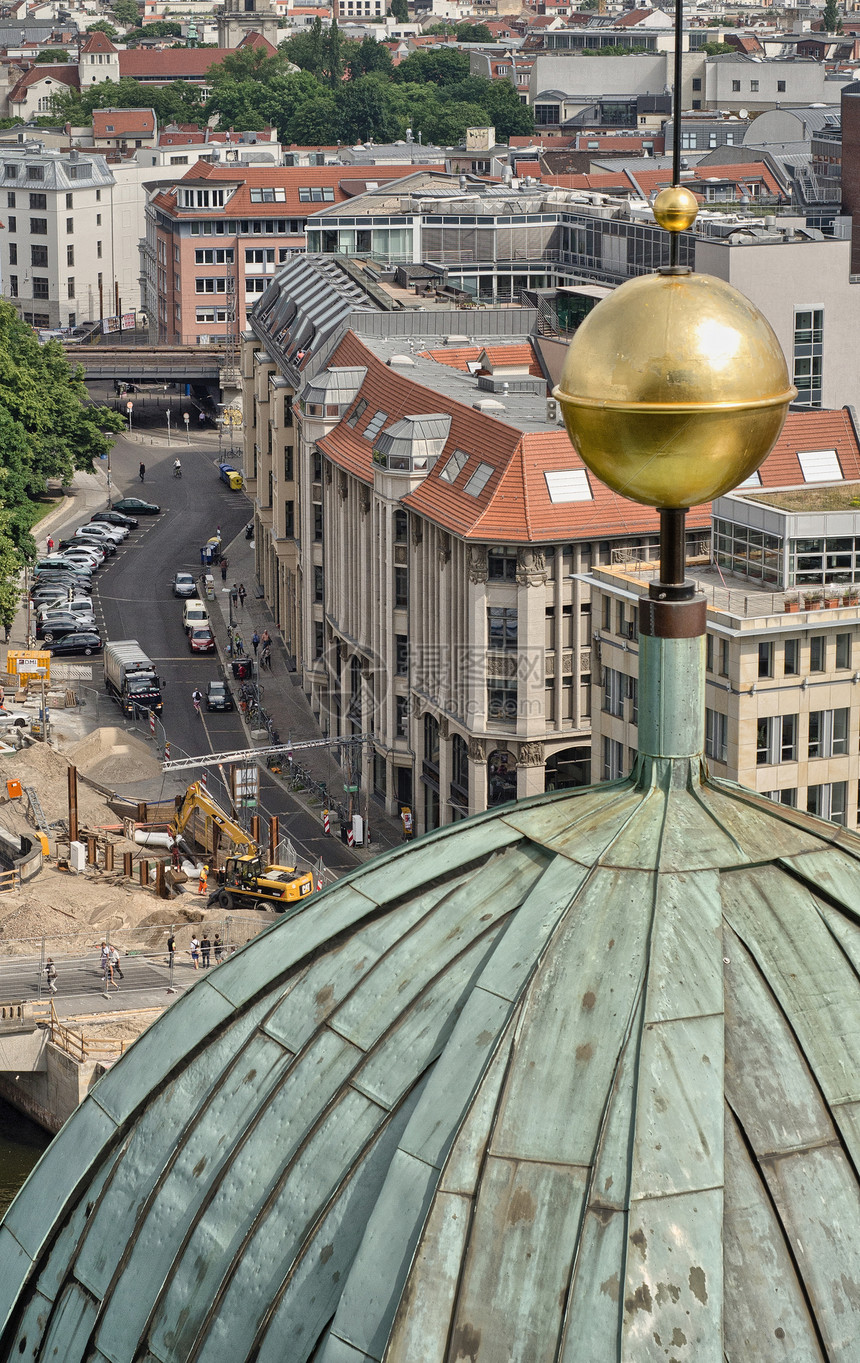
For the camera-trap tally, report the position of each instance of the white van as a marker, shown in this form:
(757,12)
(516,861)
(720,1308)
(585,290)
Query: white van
(194,614)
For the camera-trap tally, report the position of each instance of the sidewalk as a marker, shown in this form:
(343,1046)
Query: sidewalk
(282,695)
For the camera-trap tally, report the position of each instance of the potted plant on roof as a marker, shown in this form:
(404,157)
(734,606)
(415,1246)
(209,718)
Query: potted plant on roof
(792,604)
(850,595)
(812,599)
(831,597)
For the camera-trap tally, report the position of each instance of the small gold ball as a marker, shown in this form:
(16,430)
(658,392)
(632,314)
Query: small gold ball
(675,209)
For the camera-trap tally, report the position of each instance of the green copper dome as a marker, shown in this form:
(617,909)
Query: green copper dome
(576,1080)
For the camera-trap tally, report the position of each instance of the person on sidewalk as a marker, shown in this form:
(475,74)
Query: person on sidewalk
(266,659)
(114,960)
(50,545)
(205,949)
(234,595)
(51,975)
(242,595)
(265,638)
(255,640)
(195,953)
(219,948)
(224,563)
(171,948)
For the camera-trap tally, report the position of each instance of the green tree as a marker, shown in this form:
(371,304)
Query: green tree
(399,10)
(473,33)
(315,123)
(333,55)
(10,565)
(368,58)
(305,50)
(442,66)
(830,15)
(102,26)
(54,54)
(716,49)
(367,111)
(126,12)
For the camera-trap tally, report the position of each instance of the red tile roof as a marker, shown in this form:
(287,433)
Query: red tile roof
(121,122)
(812,430)
(166,64)
(290,178)
(67,75)
(97,42)
(460,357)
(646,181)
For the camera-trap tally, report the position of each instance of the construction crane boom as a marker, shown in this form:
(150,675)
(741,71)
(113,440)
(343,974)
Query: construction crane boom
(211,759)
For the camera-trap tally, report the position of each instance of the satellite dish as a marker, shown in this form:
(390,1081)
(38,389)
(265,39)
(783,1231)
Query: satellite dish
(743,113)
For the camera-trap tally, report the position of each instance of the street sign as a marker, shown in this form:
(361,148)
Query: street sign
(129,406)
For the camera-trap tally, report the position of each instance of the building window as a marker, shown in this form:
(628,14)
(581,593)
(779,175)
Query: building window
(288,463)
(211,255)
(70,286)
(401,655)
(10,199)
(289,519)
(13,286)
(98,220)
(716,735)
(375,425)
(502,701)
(843,650)
(12,224)
(808,356)
(38,227)
(614,688)
(754,86)
(401,587)
(765,659)
(13,253)
(817,652)
(318,583)
(357,413)
(502,629)
(479,479)
(697,82)
(38,203)
(70,255)
(780,87)
(613,759)
(288,412)
(401,527)
(39,257)
(319,638)
(501,561)
(70,201)
(828,801)
(792,657)
(454,466)
(776,740)
(318,520)
(828,733)
(724,657)
(70,224)
(401,722)
(736,87)
(40,287)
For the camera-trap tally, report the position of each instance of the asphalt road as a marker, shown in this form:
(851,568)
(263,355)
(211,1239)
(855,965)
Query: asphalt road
(134,600)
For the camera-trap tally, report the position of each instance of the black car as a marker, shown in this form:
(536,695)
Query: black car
(56,591)
(59,624)
(116,518)
(62,581)
(135,507)
(84,642)
(218,696)
(95,541)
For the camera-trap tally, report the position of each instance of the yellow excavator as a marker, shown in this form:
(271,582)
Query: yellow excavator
(245,881)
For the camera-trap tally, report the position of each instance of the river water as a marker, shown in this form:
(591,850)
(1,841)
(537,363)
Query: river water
(21,1144)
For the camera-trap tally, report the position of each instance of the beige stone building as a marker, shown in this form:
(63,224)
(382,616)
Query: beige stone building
(783,640)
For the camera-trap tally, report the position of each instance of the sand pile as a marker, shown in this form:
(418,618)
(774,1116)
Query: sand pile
(113,757)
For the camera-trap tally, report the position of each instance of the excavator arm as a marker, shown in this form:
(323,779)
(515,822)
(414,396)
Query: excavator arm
(197,801)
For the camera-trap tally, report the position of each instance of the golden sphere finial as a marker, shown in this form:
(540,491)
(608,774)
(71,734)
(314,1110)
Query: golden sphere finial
(674,389)
(675,209)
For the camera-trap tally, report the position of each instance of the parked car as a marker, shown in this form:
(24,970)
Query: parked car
(86,642)
(201,640)
(65,579)
(184,585)
(77,605)
(116,518)
(108,546)
(47,590)
(218,696)
(10,719)
(80,551)
(57,561)
(117,533)
(60,623)
(135,507)
(194,614)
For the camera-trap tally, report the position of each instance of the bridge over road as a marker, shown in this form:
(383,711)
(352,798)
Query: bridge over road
(152,364)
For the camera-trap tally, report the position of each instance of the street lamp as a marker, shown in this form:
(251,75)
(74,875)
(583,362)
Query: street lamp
(168,426)
(186,419)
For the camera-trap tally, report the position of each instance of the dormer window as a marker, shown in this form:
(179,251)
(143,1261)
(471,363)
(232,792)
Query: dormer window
(201,198)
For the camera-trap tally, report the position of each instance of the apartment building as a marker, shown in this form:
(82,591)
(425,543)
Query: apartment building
(66,253)
(215,238)
(423,531)
(783,637)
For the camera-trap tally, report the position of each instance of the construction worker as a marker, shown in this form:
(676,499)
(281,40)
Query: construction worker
(204,875)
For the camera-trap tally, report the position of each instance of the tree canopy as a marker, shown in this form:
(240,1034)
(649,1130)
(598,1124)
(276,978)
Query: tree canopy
(52,54)
(47,429)
(344,92)
(102,26)
(126,12)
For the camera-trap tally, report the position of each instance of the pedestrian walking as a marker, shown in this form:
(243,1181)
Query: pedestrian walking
(142,472)
(234,595)
(219,947)
(105,959)
(201,417)
(109,975)
(204,875)
(205,948)
(195,953)
(265,638)
(51,975)
(238,645)
(242,595)
(175,859)
(266,659)
(50,545)
(224,563)
(171,949)
(218,533)
(114,960)
(255,640)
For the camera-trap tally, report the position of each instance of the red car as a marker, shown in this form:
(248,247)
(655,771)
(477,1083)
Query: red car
(201,640)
